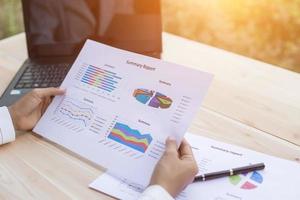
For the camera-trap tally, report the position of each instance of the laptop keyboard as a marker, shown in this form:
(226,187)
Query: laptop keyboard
(43,75)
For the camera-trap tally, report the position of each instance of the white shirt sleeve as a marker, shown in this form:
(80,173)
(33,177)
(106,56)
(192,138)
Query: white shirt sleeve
(156,192)
(7,131)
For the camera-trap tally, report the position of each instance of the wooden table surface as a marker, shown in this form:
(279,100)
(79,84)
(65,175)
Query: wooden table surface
(250,104)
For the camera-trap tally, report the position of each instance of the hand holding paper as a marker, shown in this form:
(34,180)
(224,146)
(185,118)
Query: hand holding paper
(278,181)
(28,110)
(176,168)
(125,106)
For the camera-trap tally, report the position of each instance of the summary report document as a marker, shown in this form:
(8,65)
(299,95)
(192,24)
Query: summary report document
(120,107)
(279,180)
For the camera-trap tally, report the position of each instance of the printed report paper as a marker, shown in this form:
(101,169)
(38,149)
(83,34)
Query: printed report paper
(120,107)
(279,180)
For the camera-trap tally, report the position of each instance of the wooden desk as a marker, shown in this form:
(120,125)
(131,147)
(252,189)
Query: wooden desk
(251,104)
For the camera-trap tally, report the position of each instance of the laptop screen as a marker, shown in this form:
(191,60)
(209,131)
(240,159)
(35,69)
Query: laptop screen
(60,27)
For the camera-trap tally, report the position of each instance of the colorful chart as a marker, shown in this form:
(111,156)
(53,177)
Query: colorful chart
(75,112)
(152,98)
(100,78)
(132,138)
(247,181)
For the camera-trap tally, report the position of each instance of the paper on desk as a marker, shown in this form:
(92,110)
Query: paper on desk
(280,179)
(120,107)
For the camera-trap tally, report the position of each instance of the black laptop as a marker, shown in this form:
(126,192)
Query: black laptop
(56,30)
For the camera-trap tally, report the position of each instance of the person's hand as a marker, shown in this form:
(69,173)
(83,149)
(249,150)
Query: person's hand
(26,112)
(176,169)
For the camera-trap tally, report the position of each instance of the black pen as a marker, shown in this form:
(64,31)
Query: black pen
(230,172)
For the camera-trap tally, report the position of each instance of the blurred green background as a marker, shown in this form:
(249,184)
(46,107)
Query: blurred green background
(266,30)
(11,18)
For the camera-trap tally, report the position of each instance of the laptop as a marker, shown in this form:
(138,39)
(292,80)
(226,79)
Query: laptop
(56,31)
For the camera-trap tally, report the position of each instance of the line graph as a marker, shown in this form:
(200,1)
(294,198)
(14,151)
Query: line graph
(82,114)
(73,114)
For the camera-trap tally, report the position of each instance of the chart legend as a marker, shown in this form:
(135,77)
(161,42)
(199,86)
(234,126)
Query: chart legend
(132,138)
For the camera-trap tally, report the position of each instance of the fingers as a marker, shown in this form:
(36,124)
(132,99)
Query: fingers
(171,146)
(185,149)
(186,154)
(48,92)
(46,103)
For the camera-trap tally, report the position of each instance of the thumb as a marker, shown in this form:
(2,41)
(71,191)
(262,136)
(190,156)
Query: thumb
(171,147)
(185,150)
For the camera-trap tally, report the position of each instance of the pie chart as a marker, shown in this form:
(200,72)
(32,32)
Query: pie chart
(247,181)
(152,98)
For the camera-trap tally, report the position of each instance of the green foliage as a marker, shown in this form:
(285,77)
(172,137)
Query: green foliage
(267,30)
(11,21)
